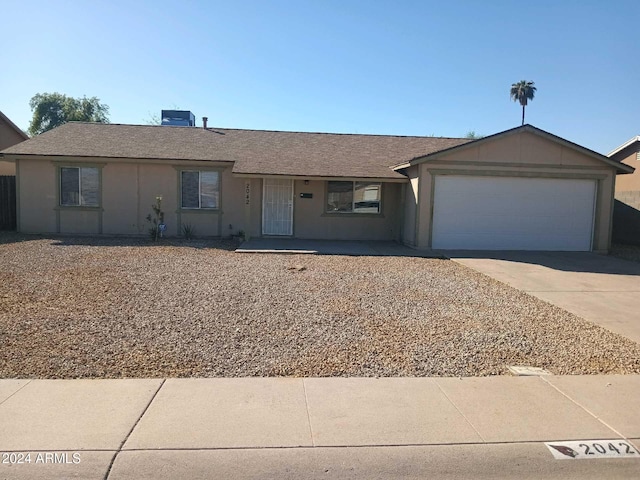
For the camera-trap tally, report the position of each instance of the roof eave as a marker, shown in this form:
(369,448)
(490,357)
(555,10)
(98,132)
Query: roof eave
(400,166)
(71,157)
(628,143)
(396,179)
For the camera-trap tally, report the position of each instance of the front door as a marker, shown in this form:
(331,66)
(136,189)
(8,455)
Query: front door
(277,207)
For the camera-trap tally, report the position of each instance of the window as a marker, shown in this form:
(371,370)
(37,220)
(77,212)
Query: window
(200,189)
(353,197)
(79,186)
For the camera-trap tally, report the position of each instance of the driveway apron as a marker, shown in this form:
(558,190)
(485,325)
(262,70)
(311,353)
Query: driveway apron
(601,289)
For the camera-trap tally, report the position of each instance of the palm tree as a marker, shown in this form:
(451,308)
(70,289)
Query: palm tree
(521,92)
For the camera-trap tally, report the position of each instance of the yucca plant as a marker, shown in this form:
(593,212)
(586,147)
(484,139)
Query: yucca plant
(188,231)
(156,220)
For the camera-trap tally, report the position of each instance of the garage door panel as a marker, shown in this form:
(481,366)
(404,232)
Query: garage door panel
(502,213)
(495,225)
(506,242)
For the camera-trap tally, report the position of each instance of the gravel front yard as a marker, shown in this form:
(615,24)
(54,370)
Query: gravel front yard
(626,252)
(73,307)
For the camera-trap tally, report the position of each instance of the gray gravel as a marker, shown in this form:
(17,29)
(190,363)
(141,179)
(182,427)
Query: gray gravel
(626,252)
(74,307)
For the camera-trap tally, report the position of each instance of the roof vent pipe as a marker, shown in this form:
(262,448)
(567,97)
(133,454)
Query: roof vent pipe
(204,122)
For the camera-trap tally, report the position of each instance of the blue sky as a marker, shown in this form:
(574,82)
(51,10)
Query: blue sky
(387,67)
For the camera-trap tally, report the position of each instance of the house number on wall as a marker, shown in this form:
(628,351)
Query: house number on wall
(247,193)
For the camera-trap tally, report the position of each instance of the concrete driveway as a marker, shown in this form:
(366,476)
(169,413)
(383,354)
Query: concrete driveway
(604,290)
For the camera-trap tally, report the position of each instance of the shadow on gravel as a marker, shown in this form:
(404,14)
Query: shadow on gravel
(13,237)
(626,252)
(565,261)
(106,241)
(214,243)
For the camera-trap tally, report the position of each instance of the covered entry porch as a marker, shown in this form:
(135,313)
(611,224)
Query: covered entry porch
(323,208)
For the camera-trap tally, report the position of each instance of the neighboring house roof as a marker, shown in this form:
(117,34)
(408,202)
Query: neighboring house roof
(6,120)
(259,152)
(628,143)
(622,168)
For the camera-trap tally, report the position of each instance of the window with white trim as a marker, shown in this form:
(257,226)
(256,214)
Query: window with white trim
(200,189)
(353,197)
(79,186)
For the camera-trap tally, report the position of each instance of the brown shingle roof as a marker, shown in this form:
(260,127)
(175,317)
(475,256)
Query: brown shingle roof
(253,151)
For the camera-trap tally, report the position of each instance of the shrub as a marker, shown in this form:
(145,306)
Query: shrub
(156,219)
(188,231)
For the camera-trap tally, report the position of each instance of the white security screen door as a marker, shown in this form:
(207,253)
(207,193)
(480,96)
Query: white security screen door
(277,207)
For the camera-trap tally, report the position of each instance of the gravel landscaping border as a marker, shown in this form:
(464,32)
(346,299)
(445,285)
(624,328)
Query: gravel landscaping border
(75,307)
(626,252)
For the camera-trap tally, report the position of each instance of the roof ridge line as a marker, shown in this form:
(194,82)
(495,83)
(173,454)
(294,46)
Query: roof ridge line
(269,130)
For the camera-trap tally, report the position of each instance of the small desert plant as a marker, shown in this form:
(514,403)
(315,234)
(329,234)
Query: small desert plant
(188,231)
(156,220)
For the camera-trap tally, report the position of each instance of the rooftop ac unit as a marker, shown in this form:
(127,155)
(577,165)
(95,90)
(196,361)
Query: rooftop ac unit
(180,118)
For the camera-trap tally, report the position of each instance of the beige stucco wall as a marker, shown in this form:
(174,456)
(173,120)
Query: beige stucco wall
(128,190)
(629,182)
(8,138)
(234,218)
(36,196)
(8,135)
(7,168)
(311,221)
(410,206)
(122,211)
(521,154)
(80,221)
(626,226)
(628,185)
(253,213)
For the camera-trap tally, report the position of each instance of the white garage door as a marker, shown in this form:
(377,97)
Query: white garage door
(508,213)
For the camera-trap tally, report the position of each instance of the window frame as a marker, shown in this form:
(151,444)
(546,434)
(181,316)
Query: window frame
(79,205)
(353,211)
(200,208)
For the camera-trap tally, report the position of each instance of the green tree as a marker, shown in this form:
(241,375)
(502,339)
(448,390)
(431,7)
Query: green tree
(472,135)
(522,92)
(51,110)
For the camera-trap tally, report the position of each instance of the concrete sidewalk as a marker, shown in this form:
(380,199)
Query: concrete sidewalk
(598,288)
(491,427)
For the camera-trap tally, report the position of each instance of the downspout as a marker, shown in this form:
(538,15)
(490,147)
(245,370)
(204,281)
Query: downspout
(613,202)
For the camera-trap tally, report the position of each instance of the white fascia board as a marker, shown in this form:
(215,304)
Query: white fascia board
(624,145)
